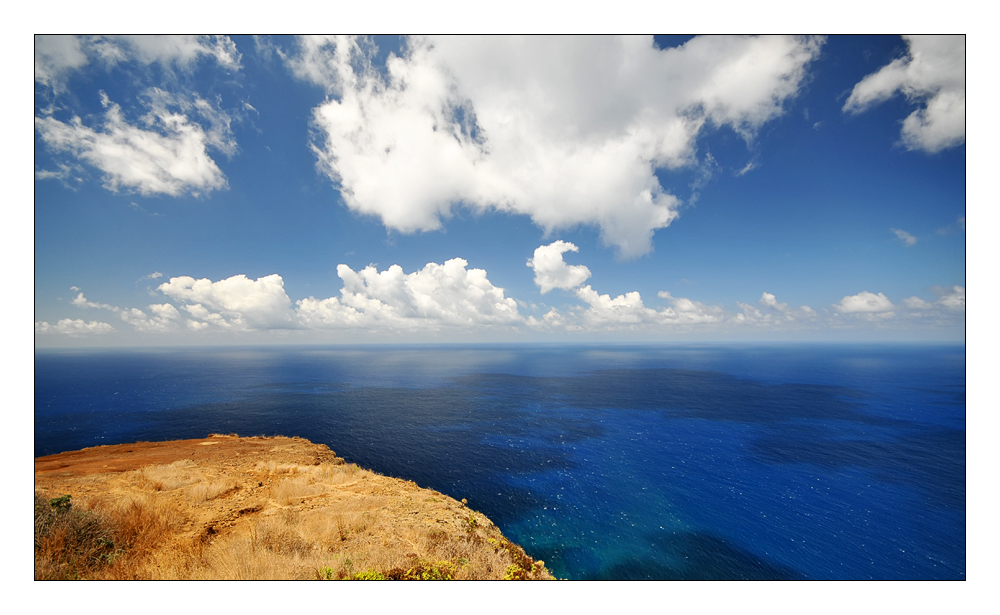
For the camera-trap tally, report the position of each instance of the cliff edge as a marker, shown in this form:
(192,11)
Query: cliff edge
(230,507)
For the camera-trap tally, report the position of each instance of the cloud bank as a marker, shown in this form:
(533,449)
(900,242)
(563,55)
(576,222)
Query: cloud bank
(932,75)
(568,131)
(453,296)
(73,328)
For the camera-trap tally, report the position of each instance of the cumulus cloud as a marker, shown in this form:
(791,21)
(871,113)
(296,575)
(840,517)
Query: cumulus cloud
(770,311)
(568,131)
(435,296)
(58,56)
(954,299)
(82,302)
(947,310)
(165,318)
(234,303)
(628,310)
(551,271)
(686,311)
(932,75)
(903,236)
(949,300)
(165,154)
(865,303)
(770,300)
(916,303)
(73,328)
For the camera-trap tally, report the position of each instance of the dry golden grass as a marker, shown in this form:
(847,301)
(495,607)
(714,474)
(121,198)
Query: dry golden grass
(100,538)
(267,519)
(309,481)
(209,489)
(172,476)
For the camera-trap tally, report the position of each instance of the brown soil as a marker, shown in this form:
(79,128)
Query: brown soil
(325,512)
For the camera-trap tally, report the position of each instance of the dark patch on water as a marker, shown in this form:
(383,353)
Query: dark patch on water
(682,394)
(931,460)
(696,556)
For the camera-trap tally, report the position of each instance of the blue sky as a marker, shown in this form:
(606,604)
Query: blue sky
(215,190)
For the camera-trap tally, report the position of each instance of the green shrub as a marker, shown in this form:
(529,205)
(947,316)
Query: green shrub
(70,543)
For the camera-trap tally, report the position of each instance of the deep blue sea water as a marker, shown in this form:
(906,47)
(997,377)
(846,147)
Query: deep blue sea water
(677,462)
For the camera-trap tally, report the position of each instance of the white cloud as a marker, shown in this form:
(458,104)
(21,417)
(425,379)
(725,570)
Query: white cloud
(73,328)
(68,174)
(947,310)
(166,156)
(57,56)
(552,320)
(955,299)
(82,302)
(165,318)
(551,271)
(770,300)
(236,302)
(686,311)
(182,51)
(865,303)
(772,311)
(435,296)
(949,300)
(750,166)
(916,303)
(568,131)
(628,310)
(903,236)
(932,75)
(311,60)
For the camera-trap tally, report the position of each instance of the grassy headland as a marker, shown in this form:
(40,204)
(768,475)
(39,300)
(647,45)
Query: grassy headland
(227,507)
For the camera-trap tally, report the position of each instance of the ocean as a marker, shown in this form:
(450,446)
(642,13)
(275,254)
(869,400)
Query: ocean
(790,461)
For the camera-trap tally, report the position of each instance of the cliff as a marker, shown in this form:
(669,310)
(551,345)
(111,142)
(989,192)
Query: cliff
(230,507)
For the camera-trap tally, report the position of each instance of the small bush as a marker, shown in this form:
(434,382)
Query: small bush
(425,571)
(70,543)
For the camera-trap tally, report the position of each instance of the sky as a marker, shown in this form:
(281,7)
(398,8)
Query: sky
(208,190)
